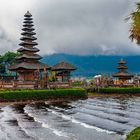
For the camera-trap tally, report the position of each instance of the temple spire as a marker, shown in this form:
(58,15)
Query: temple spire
(28,50)
(28,62)
(28,14)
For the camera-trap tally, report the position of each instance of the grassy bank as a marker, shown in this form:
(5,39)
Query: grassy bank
(16,95)
(130,90)
(134,135)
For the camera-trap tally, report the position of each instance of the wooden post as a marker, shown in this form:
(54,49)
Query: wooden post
(62,76)
(45,77)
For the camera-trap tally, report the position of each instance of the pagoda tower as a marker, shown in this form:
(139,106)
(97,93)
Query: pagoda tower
(122,75)
(27,64)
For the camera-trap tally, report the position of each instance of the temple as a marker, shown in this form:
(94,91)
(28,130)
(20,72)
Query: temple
(29,71)
(27,65)
(122,75)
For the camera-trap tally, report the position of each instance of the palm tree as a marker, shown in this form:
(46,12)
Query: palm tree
(135,25)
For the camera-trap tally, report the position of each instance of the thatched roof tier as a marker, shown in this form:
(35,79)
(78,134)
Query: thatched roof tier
(63,66)
(28,29)
(29,66)
(28,18)
(25,56)
(34,49)
(28,43)
(122,67)
(123,75)
(28,38)
(28,33)
(28,21)
(28,25)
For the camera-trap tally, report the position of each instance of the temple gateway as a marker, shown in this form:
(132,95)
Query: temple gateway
(30,72)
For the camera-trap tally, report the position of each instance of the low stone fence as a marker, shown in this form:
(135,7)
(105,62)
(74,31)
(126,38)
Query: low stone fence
(17,84)
(32,85)
(6,85)
(59,85)
(25,85)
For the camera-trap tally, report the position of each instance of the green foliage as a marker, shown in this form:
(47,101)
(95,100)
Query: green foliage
(131,90)
(7,59)
(134,135)
(42,94)
(2,68)
(135,25)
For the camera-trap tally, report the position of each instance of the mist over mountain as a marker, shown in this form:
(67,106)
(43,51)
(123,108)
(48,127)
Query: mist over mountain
(89,66)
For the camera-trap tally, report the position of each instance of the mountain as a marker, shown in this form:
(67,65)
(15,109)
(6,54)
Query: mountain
(91,65)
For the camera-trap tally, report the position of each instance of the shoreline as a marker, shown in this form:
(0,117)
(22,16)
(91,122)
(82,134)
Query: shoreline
(112,95)
(48,101)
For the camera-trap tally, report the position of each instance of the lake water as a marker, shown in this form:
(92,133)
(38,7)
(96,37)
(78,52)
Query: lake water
(91,119)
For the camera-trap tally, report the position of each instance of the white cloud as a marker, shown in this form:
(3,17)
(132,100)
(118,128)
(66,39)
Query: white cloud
(70,26)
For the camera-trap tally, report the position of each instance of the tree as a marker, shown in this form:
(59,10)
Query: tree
(2,68)
(7,59)
(135,24)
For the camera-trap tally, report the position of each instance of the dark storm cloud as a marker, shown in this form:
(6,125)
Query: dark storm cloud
(80,26)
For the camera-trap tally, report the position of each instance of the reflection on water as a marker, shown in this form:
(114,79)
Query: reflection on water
(91,119)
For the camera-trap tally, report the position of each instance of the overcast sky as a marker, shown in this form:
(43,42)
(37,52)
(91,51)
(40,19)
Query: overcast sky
(83,27)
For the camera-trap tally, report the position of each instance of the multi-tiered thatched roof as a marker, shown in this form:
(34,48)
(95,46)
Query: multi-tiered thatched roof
(122,74)
(28,58)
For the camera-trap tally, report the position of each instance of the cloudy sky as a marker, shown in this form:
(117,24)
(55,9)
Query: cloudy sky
(83,27)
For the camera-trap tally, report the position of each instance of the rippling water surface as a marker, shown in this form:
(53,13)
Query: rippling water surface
(91,119)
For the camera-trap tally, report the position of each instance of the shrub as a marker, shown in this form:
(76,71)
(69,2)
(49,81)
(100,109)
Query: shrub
(134,135)
(131,90)
(41,94)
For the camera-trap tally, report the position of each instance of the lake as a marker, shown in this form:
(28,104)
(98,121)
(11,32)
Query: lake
(91,119)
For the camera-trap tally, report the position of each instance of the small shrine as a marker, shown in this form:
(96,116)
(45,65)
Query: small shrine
(123,76)
(63,71)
